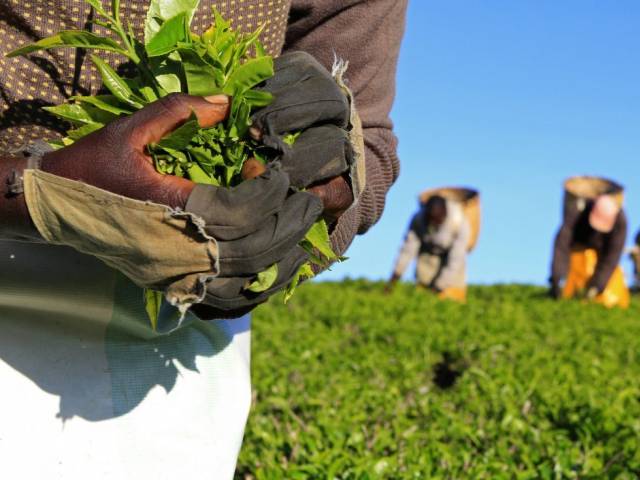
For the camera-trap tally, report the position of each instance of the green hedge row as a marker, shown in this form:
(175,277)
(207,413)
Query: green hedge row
(352,384)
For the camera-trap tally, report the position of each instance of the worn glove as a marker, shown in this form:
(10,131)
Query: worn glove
(229,298)
(306,99)
(258,224)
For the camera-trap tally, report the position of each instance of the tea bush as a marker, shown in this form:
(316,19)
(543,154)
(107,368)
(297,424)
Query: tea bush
(352,384)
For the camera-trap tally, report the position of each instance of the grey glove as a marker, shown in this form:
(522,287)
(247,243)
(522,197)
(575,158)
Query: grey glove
(306,99)
(256,224)
(229,298)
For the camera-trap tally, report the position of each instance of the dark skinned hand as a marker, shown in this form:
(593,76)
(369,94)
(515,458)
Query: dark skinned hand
(115,157)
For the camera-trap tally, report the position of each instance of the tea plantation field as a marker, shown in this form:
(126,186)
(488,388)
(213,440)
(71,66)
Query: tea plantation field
(352,384)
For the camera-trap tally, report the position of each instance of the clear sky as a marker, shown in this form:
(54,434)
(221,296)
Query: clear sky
(510,97)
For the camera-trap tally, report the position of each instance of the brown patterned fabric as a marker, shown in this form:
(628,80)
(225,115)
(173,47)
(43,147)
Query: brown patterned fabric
(49,78)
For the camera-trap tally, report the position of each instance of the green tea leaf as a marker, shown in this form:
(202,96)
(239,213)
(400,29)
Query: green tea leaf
(264,280)
(108,103)
(70,38)
(290,138)
(202,78)
(258,98)
(153,303)
(318,237)
(75,114)
(181,137)
(198,175)
(162,10)
(305,272)
(83,131)
(169,82)
(148,93)
(115,83)
(207,155)
(166,40)
(248,75)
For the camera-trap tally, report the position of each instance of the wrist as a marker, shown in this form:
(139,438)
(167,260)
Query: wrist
(15,221)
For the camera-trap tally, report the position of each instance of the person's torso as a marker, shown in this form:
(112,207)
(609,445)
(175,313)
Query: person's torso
(49,78)
(439,240)
(584,236)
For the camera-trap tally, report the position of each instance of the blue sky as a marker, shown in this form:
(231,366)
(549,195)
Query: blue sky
(510,97)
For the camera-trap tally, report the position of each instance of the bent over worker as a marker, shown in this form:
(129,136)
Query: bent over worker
(438,236)
(587,251)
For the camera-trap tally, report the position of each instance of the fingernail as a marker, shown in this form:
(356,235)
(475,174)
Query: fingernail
(217,99)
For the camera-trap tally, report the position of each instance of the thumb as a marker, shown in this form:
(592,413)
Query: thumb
(166,114)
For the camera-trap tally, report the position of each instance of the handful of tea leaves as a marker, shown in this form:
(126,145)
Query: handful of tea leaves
(174,59)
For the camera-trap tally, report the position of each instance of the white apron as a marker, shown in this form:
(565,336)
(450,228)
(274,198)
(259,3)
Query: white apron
(90,392)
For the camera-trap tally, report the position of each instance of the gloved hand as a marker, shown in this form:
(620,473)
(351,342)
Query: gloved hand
(247,228)
(258,224)
(115,159)
(227,297)
(308,100)
(593,290)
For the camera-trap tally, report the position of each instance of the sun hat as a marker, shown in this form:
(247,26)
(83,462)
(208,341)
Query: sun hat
(604,214)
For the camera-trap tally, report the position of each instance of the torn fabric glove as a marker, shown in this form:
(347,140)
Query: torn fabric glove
(257,223)
(153,245)
(305,95)
(311,100)
(229,297)
(318,154)
(260,224)
(308,100)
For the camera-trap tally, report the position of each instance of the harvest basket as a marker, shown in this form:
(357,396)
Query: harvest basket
(579,190)
(470,200)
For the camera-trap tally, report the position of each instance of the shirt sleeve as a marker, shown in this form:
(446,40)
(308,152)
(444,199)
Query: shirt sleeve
(367,34)
(609,257)
(562,248)
(456,257)
(408,251)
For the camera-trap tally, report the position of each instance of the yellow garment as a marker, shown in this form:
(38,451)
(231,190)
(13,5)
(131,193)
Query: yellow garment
(457,294)
(582,267)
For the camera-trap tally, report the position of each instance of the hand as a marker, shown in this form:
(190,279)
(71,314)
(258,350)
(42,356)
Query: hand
(592,293)
(229,298)
(336,196)
(256,224)
(305,95)
(308,99)
(115,157)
